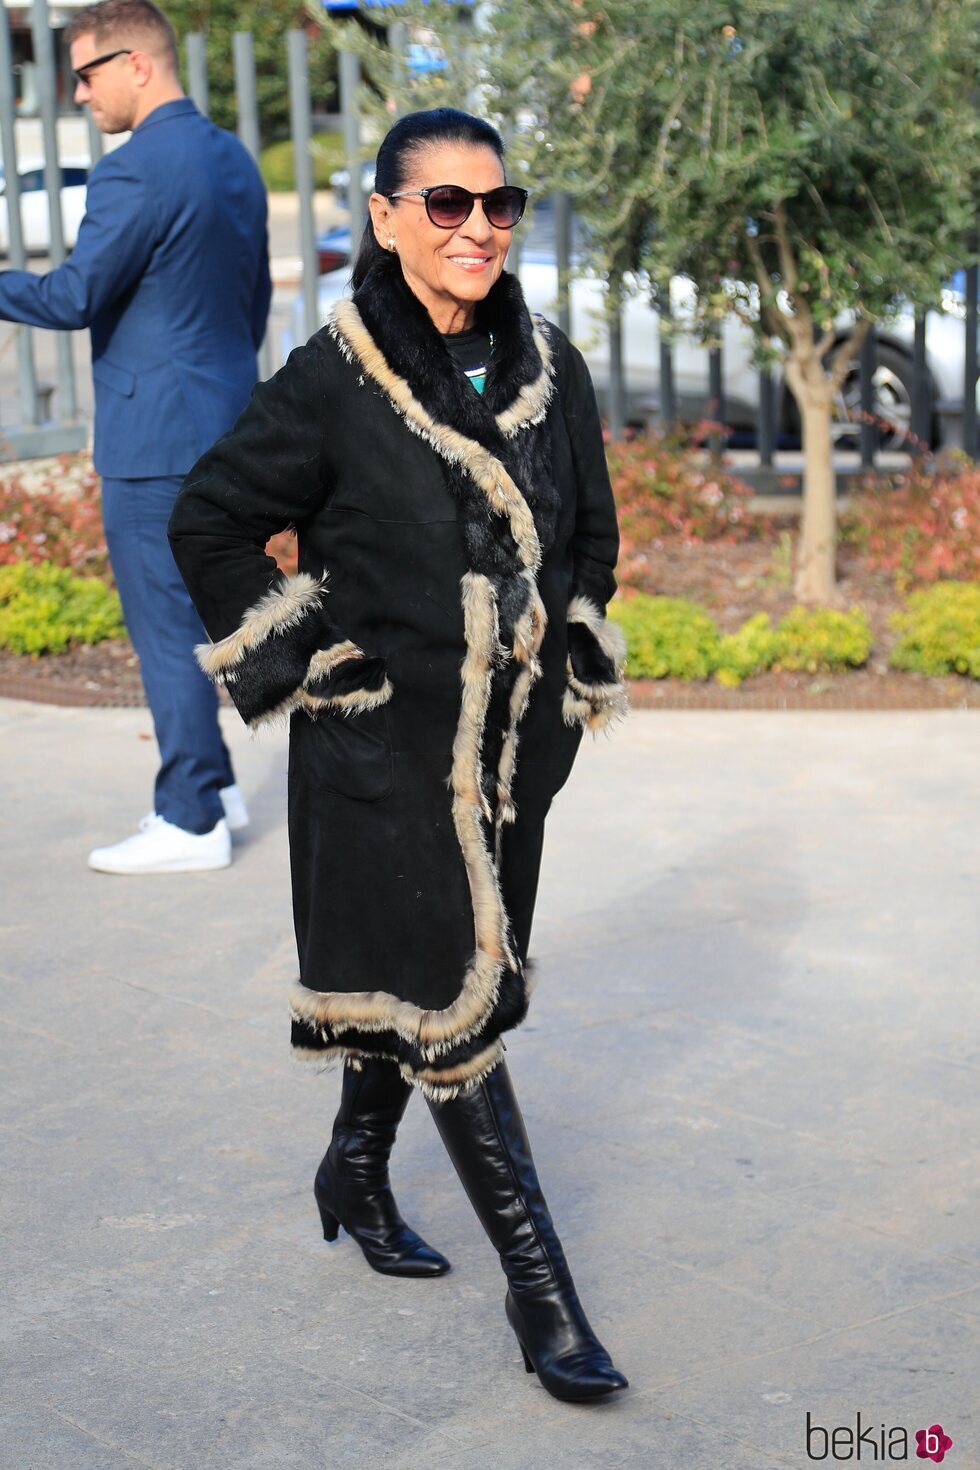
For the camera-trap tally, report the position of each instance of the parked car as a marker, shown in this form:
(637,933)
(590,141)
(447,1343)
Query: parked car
(945,347)
(35,221)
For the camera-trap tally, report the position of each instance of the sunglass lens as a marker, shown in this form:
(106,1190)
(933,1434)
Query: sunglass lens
(449,205)
(504,207)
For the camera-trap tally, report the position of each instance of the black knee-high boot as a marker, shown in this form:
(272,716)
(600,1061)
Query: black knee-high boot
(351,1184)
(484,1134)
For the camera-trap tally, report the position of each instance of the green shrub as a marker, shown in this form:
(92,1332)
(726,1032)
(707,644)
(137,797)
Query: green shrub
(751,650)
(45,609)
(820,640)
(940,630)
(667,637)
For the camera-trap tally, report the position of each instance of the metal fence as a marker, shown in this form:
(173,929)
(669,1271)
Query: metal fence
(48,421)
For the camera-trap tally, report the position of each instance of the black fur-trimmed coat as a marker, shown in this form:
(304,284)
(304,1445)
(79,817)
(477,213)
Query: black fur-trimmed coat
(438,654)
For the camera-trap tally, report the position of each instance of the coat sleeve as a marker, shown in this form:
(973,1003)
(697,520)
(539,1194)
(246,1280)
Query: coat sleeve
(274,645)
(115,242)
(595,693)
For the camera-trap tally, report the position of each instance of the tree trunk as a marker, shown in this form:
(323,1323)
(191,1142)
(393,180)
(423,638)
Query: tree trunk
(816,564)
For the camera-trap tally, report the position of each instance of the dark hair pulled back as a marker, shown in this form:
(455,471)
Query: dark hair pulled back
(410,135)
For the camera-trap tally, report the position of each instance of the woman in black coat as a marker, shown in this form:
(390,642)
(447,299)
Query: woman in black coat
(438,655)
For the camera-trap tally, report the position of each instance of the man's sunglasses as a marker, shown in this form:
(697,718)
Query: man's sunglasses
(82,74)
(449,205)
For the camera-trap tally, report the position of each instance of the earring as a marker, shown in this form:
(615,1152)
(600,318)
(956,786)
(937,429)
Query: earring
(391,243)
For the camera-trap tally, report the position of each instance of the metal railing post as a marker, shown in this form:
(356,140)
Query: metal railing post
(617,384)
(716,394)
(350,82)
(867,363)
(563,258)
(299,109)
(44,59)
(766,429)
(970,360)
(196,48)
(921,407)
(26,375)
(96,143)
(668,393)
(246,96)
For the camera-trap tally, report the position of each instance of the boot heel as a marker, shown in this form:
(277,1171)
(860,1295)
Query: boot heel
(329,1221)
(528,1365)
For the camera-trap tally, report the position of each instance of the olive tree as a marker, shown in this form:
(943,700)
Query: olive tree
(808,165)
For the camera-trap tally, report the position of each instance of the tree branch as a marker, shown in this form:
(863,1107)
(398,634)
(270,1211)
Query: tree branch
(847,352)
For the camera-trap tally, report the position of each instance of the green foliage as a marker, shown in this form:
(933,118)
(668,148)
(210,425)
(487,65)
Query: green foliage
(278,172)
(45,609)
(667,637)
(821,639)
(750,650)
(268,20)
(940,630)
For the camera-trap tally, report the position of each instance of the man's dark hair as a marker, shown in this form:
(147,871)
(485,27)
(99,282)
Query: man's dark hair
(126,22)
(411,135)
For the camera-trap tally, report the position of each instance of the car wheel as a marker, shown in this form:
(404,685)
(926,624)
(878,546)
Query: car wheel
(892,402)
(892,405)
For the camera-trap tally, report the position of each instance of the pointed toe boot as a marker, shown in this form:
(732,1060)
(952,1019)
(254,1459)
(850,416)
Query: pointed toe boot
(485,1136)
(352,1186)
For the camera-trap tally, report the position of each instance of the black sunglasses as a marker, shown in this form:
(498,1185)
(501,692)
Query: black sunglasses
(449,205)
(82,74)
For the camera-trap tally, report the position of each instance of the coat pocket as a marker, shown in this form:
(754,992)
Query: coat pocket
(348,755)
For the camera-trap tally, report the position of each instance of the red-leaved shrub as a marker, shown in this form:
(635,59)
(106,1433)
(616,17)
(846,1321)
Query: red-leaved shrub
(923,528)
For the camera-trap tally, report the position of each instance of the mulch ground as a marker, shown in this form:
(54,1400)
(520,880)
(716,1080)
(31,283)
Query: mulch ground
(732,582)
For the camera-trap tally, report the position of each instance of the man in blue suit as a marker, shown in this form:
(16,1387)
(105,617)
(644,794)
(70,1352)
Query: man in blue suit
(171,275)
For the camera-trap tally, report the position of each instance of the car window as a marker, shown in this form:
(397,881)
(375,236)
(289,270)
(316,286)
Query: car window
(72,177)
(32,182)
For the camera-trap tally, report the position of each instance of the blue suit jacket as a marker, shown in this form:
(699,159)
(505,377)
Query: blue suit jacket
(171,274)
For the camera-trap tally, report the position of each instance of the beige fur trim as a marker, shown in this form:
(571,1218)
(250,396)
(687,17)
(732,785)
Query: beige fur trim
(325,660)
(531,403)
(281,608)
(353,337)
(593,705)
(355,702)
(609,636)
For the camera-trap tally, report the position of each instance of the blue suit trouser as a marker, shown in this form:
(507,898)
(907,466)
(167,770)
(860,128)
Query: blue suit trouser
(164,629)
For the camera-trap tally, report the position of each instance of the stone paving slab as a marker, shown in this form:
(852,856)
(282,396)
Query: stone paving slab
(750,1074)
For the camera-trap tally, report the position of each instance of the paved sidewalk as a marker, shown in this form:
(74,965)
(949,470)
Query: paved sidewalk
(751,1076)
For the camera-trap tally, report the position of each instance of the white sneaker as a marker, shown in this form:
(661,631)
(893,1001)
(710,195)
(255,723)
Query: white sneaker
(236,812)
(160,847)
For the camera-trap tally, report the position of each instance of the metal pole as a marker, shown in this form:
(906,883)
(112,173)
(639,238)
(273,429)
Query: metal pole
(563,257)
(26,376)
(867,364)
(350,82)
(44,60)
(248,131)
(668,393)
(398,46)
(197,71)
(921,407)
(716,394)
(617,386)
(970,362)
(767,417)
(299,111)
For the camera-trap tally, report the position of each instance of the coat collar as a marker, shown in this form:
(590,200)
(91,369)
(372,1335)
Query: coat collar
(387,331)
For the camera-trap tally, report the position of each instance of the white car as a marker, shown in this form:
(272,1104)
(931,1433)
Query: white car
(945,351)
(35,221)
